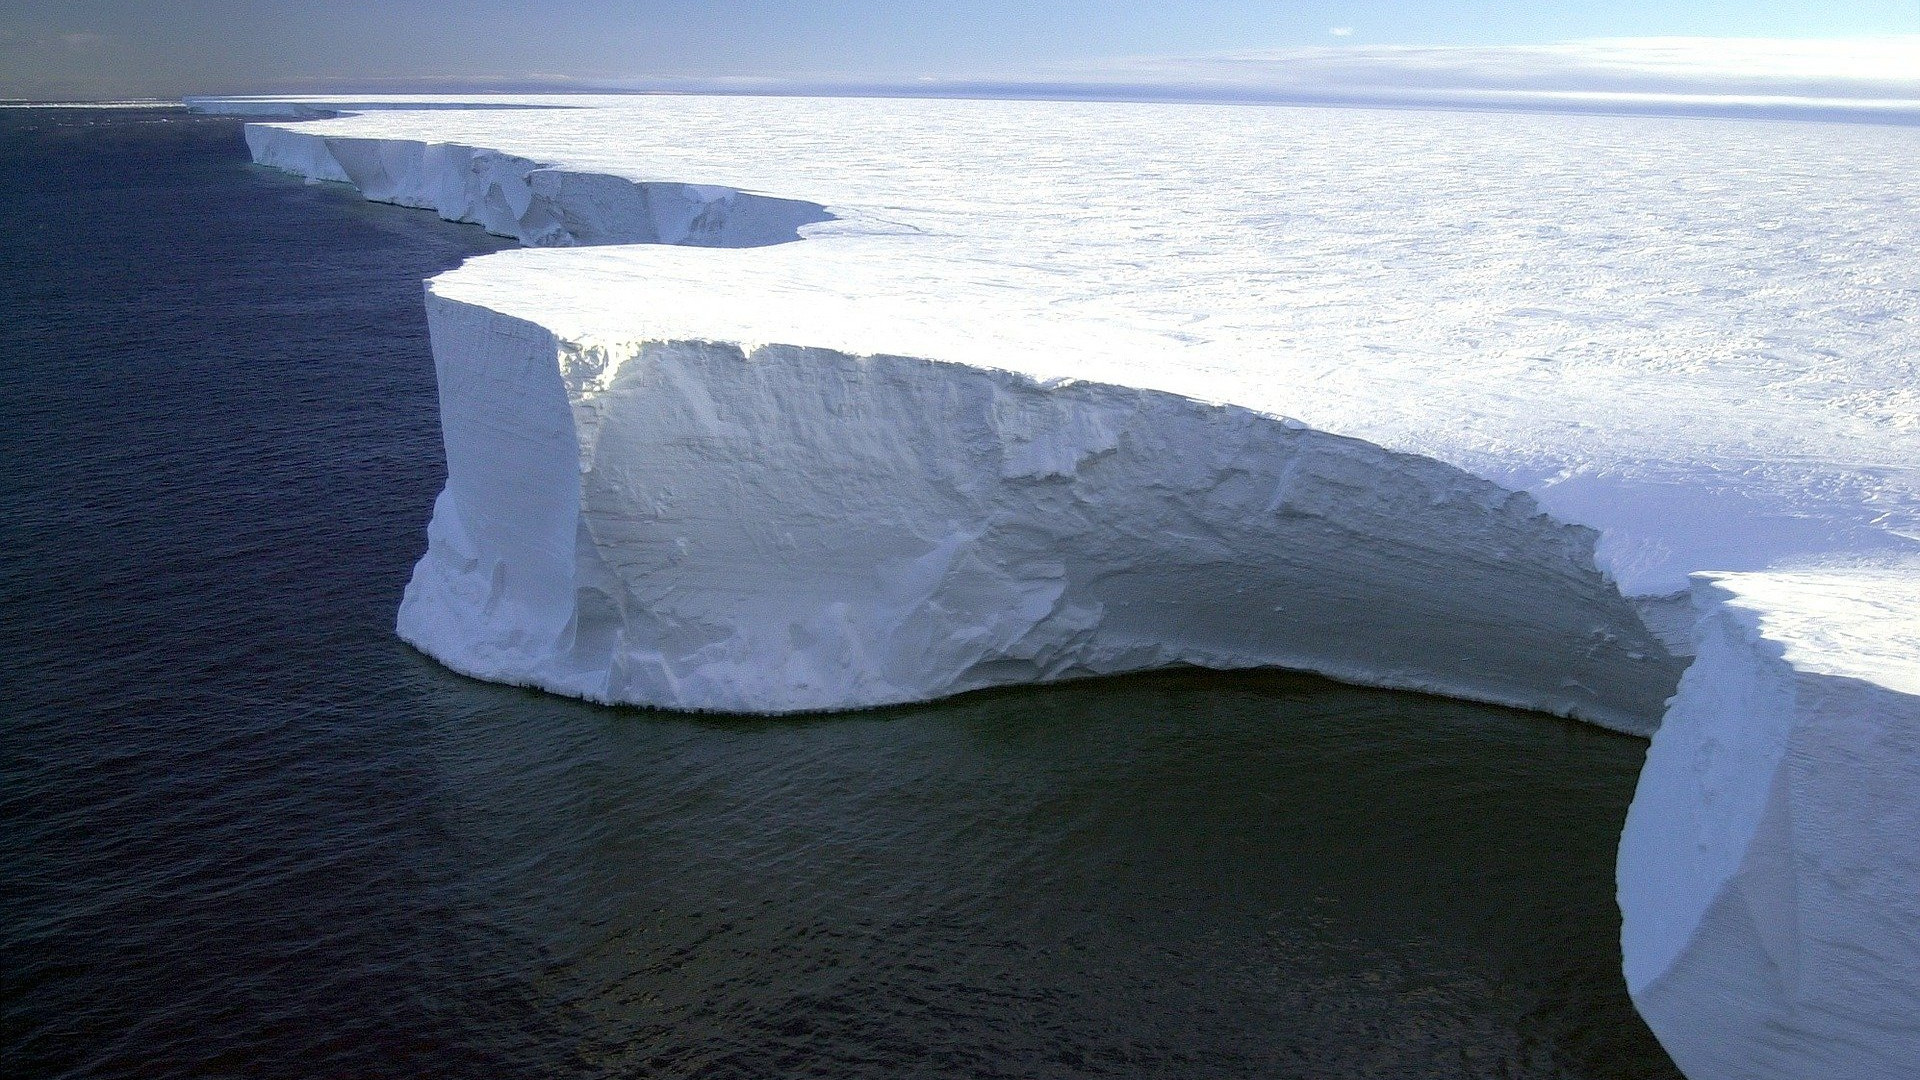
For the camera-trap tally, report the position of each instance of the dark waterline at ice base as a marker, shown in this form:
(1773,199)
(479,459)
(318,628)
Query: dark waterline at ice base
(247,832)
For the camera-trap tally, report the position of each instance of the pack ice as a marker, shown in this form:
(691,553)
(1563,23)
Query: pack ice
(816,404)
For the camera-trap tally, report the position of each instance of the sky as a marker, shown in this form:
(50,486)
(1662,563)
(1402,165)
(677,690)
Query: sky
(85,49)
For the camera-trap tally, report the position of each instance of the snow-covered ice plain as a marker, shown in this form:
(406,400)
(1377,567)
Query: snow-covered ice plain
(864,401)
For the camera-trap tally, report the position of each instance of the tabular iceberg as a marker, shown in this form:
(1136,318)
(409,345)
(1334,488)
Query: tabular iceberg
(1051,389)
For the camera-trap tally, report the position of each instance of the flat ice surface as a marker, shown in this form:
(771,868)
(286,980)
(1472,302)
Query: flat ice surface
(1700,336)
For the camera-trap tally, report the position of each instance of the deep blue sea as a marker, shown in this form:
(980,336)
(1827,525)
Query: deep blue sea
(246,832)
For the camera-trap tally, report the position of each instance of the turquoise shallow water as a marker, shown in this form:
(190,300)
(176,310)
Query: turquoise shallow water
(247,832)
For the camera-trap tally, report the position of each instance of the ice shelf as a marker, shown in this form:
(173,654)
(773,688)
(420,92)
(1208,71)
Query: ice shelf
(957,393)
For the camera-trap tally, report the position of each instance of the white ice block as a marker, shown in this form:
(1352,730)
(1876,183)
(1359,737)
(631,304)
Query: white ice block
(1770,868)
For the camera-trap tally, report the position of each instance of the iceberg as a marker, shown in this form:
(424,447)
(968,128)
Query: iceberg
(801,404)
(1768,868)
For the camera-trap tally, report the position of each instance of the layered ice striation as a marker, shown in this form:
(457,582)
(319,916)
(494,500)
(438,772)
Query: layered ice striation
(1052,389)
(1768,870)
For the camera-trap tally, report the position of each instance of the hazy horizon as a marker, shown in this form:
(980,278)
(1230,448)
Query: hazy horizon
(103,49)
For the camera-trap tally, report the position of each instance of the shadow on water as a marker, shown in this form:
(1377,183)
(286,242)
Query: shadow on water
(246,831)
(1201,873)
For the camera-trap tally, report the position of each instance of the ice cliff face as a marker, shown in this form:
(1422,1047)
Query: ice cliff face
(1769,864)
(695,525)
(540,207)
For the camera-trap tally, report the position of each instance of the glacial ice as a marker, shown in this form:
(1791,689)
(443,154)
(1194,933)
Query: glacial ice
(1050,389)
(1695,336)
(1770,858)
(513,196)
(697,525)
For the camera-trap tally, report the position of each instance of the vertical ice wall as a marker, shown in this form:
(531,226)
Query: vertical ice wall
(695,525)
(540,207)
(1770,868)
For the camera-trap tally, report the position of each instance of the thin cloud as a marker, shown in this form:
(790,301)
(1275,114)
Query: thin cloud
(1861,68)
(1861,79)
(1857,80)
(1340,31)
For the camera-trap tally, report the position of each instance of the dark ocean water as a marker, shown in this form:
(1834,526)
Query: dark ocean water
(244,831)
